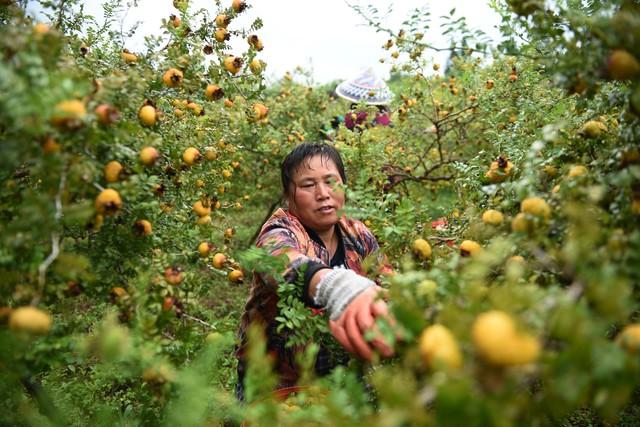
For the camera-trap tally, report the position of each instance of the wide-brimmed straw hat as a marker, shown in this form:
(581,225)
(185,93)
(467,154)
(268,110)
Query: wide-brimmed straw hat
(367,88)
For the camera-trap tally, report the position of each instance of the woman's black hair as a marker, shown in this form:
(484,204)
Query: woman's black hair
(303,153)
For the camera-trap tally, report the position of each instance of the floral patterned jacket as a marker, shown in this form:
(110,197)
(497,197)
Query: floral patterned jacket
(281,234)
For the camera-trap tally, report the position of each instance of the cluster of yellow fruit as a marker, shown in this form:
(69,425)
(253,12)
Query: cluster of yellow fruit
(499,170)
(530,209)
(495,339)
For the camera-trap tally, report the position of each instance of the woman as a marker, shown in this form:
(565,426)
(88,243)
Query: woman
(325,251)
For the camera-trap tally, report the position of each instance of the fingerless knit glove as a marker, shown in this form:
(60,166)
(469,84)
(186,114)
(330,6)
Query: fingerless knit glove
(338,288)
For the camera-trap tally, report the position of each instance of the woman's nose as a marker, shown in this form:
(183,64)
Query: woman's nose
(323,190)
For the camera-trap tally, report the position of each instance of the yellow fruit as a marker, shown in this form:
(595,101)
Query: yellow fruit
(222,21)
(173,275)
(438,347)
(210,153)
(148,156)
(41,28)
(148,115)
(232,64)
(108,202)
(204,248)
(238,6)
(221,35)
(593,129)
(30,320)
(513,77)
(489,84)
(128,57)
(256,66)
(422,248)
(470,248)
(499,170)
(200,209)
(228,233)
(159,374)
(520,223)
(191,156)
(112,171)
(69,114)
(622,65)
(629,338)
(214,92)
(143,227)
(219,260)
(204,220)
(107,114)
(195,108)
(260,111)
(172,77)
(516,259)
(235,276)
(497,341)
(535,206)
(255,42)
(550,170)
(576,171)
(175,21)
(492,217)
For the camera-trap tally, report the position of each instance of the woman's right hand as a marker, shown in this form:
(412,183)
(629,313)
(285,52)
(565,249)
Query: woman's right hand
(359,318)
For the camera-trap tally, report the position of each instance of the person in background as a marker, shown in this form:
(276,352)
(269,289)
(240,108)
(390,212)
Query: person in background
(369,89)
(325,250)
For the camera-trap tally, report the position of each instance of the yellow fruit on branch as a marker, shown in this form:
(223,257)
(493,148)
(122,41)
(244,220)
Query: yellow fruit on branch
(492,217)
(221,35)
(535,206)
(148,156)
(228,233)
(69,114)
(222,21)
(112,171)
(107,114)
(520,223)
(256,66)
(214,92)
(30,320)
(235,276)
(232,64)
(175,21)
(173,275)
(108,202)
(593,129)
(191,156)
(621,65)
(238,6)
(489,84)
(260,111)
(50,146)
(439,348)
(143,227)
(255,42)
(201,209)
(576,171)
(470,248)
(148,115)
(498,342)
(172,77)
(219,260)
(629,338)
(422,248)
(128,57)
(204,248)
(499,170)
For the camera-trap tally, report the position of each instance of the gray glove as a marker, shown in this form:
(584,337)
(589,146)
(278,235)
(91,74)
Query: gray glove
(338,288)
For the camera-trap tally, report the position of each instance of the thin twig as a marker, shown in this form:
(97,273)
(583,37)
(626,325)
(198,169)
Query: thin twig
(55,243)
(195,319)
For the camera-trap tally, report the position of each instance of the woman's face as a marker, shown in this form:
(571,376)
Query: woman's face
(315,196)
